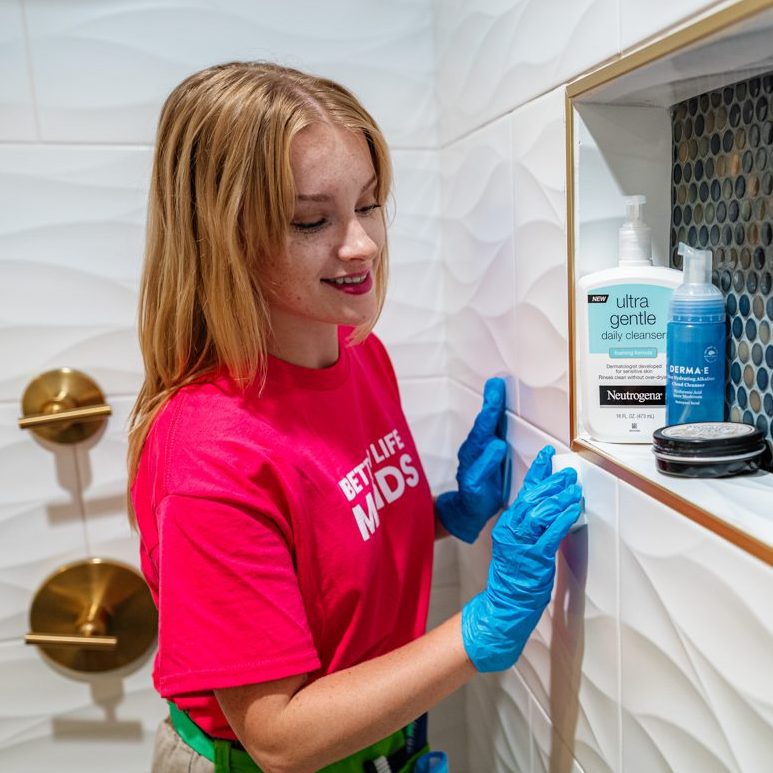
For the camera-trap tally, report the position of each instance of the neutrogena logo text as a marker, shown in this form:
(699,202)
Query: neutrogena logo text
(624,394)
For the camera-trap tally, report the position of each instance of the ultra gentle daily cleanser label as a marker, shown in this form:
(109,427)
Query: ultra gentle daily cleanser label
(627,357)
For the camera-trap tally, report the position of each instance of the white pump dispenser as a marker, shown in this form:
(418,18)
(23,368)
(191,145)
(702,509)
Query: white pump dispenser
(635,236)
(697,264)
(622,314)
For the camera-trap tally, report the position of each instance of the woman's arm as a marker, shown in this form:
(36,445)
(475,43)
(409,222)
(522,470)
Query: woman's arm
(287,727)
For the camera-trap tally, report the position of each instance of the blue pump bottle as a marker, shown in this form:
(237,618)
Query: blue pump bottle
(695,344)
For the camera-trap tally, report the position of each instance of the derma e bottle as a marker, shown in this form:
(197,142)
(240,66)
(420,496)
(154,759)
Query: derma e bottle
(697,329)
(622,314)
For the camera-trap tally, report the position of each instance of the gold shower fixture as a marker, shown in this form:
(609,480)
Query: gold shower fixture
(63,406)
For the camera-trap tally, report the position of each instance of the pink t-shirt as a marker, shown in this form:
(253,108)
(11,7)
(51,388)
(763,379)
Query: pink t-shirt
(283,533)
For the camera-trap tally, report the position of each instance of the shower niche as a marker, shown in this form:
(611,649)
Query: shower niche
(688,122)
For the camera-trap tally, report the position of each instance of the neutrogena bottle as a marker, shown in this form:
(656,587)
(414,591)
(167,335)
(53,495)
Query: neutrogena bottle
(697,330)
(622,314)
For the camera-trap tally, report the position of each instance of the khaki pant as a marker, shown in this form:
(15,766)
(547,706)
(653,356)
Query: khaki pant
(172,755)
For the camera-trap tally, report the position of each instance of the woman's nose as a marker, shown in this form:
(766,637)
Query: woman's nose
(357,244)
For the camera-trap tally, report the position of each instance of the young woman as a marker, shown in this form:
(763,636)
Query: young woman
(286,523)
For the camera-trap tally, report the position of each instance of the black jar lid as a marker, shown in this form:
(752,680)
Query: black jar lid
(708,442)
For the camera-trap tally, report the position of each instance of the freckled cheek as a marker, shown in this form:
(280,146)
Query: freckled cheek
(378,236)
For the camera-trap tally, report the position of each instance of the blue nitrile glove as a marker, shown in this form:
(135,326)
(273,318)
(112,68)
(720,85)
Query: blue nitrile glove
(432,762)
(480,474)
(497,622)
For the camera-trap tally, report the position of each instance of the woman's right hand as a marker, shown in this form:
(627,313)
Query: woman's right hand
(497,622)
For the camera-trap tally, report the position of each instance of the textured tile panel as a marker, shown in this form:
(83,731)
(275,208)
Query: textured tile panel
(412,324)
(539,203)
(71,232)
(494,56)
(549,751)
(73,724)
(639,21)
(498,722)
(102,70)
(425,402)
(17,112)
(570,664)
(477,253)
(697,626)
(41,525)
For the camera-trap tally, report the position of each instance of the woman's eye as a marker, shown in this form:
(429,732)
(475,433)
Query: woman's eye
(366,210)
(308,226)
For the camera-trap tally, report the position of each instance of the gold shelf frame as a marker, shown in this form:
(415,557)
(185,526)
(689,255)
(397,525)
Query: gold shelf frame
(681,38)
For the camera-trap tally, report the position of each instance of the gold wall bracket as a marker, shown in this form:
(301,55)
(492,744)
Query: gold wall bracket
(63,406)
(93,615)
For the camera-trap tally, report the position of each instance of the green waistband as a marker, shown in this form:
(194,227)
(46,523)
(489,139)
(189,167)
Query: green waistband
(230,760)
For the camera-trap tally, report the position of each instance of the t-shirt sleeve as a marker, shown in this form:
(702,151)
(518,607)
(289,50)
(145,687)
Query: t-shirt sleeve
(230,609)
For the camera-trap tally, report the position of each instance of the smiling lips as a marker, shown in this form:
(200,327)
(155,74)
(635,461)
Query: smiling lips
(354,284)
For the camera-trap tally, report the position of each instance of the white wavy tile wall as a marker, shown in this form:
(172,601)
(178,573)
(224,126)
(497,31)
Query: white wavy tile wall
(501,702)
(477,253)
(494,55)
(41,525)
(571,663)
(102,69)
(697,661)
(550,754)
(539,211)
(51,720)
(412,324)
(71,234)
(639,21)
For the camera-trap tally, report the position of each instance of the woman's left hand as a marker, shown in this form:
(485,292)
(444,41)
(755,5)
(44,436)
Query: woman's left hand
(480,475)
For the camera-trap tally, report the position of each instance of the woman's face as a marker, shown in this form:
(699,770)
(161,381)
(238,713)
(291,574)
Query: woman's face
(325,276)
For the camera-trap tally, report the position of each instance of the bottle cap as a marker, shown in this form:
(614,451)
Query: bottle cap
(635,239)
(696,299)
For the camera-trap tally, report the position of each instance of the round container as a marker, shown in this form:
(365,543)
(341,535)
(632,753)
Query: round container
(710,449)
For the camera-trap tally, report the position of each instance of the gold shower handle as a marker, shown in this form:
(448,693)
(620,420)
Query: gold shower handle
(93,615)
(81,642)
(63,406)
(89,413)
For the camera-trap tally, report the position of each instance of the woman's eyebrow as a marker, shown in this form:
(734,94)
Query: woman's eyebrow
(326,196)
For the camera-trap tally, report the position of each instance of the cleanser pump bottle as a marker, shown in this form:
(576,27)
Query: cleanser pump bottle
(697,329)
(622,314)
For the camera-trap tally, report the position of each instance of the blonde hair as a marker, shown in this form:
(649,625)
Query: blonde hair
(221,196)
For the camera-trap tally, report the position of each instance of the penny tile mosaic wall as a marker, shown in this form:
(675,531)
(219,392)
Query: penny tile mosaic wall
(722,200)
